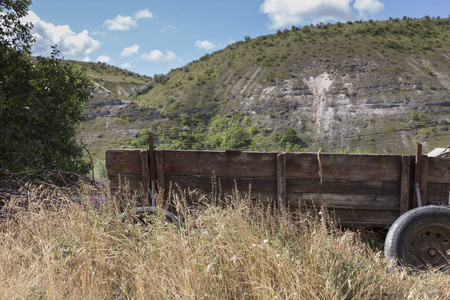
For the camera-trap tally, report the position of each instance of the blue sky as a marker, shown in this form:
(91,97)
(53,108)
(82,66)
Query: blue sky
(153,37)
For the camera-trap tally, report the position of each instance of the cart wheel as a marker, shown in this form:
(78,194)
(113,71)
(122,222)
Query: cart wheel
(420,238)
(142,214)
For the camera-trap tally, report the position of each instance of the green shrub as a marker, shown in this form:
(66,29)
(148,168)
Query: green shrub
(415,116)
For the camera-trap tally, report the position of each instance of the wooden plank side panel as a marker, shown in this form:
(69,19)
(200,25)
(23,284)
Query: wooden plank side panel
(124,166)
(357,217)
(123,162)
(220,163)
(366,218)
(436,190)
(344,166)
(346,201)
(339,186)
(264,189)
(205,183)
(438,180)
(133,181)
(438,170)
(361,189)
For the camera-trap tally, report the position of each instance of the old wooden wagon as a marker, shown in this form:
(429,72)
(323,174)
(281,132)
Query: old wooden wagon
(362,190)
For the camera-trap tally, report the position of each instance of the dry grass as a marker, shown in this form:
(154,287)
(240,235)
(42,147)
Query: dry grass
(59,249)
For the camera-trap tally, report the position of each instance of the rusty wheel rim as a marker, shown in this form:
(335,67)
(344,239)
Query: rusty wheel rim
(429,247)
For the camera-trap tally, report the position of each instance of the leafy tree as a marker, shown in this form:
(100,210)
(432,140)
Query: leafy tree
(237,139)
(14,35)
(160,78)
(288,140)
(144,88)
(41,100)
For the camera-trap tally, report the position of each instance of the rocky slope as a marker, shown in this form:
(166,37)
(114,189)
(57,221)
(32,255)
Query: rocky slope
(377,87)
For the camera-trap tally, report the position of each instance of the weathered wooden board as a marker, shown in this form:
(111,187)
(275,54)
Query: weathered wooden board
(123,162)
(438,170)
(205,183)
(437,180)
(436,189)
(340,186)
(260,188)
(355,217)
(220,163)
(344,166)
(347,201)
(133,180)
(366,218)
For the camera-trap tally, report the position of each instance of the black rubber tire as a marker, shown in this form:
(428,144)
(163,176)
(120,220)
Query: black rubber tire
(420,239)
(140,214)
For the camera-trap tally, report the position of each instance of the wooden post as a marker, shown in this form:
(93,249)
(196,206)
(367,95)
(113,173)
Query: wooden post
(152,166)
(145,172)
(417,173)
(281,181)
(405,184)
(423,179)
(159,169)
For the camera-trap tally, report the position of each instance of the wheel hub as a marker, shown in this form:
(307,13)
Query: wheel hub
(432,252)
(429,247)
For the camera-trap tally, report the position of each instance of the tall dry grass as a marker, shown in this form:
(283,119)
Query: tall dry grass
(58,248)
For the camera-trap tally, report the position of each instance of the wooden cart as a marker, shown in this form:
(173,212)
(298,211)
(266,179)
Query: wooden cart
(362,190)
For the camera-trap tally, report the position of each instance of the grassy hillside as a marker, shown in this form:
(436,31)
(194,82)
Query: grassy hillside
(376,87)
(119,81)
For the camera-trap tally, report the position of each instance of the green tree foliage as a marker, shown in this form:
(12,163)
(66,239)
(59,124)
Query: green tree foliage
(208,131)
(14,35)
(238,139)
(288,141)
(160,78)
(41,101)
(144,88)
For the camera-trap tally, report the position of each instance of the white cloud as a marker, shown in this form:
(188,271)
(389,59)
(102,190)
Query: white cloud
(167,28)
(142,14)
(127,51)
(87,59)
(369,6)
(120,23)
(68,42)
(290,12)
(206,45)
(123,23)
(100,33)
(125,65)
(158,56)
(103,59)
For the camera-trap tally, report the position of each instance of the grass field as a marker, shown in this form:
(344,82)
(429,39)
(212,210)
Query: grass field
(52,247)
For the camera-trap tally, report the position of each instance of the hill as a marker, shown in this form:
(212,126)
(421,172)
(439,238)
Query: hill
(376,86)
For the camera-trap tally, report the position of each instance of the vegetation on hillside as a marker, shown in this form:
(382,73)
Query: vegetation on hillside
(228,248)
(231,83)
(119,81)
(197,131)
(359,87)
